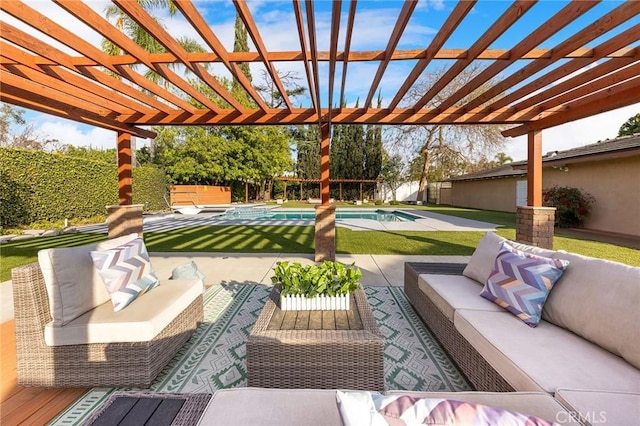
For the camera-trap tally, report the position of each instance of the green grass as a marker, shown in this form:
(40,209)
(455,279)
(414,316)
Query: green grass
(300,239)
(21,253)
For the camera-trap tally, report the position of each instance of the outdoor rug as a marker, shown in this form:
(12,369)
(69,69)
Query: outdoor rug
(214,358)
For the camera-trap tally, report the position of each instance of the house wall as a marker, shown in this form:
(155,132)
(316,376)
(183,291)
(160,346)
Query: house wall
(615,185)
(487,194)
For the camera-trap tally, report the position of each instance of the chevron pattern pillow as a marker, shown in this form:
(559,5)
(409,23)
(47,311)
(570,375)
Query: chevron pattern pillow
(520,282)
(370,408)
(126,272)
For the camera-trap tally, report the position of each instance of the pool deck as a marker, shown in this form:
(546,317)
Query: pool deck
(425,221)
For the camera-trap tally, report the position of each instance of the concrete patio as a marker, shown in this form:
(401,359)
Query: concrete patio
(224,268)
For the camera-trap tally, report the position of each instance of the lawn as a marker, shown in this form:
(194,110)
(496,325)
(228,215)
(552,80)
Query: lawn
(300,239)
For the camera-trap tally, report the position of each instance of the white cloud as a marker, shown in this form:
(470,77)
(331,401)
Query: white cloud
(71,133)
(578,133)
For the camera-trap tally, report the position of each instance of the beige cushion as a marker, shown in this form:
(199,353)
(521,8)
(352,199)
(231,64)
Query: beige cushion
(602,408)
(73,284)
(256,406)
(544,358)
(600,301)
(451,292)
(537,404)
(143,319)
(481,262)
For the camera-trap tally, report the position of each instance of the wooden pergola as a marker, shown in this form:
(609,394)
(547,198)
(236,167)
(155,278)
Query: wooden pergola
(595,68)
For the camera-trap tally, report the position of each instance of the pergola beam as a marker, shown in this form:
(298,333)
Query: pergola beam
(339,115)
(403,19)
(453,21)
(347,49)
(566,15)
(311,27)
(333,50)
(24,96)
(197,21)
(600,26)
(305,54)
(252,29)
(359,56)
(508,18)
(139,15)
(606,100)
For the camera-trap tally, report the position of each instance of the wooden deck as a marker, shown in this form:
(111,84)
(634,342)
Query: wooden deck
(27,405)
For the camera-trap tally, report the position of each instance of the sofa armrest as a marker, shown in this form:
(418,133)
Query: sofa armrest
(414,269)
(31,306)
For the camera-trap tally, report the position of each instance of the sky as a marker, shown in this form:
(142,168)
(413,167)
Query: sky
(373,25)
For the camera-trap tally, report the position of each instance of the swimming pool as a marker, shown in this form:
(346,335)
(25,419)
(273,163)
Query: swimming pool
(268,214)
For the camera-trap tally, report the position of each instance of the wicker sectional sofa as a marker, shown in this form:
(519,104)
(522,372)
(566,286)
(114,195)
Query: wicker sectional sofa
(95,346)
(585,352)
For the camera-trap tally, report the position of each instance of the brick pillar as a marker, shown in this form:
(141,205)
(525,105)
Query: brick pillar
(124,220)
(534,225)
(325,233)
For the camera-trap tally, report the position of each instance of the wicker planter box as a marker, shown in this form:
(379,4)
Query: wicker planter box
(318,303)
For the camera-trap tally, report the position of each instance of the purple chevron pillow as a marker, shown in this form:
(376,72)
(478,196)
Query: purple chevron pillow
(126,272)
(520,282)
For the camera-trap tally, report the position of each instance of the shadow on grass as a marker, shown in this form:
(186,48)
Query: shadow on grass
(26,251)
(234,239)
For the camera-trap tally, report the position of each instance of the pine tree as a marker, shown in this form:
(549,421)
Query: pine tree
(373,151)
(308,164)
(241,44)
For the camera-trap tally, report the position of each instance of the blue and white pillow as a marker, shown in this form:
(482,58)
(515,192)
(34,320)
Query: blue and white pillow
(520,282)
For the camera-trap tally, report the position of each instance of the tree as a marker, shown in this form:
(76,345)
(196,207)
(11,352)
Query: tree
(308,152)
(102,155)
(393,173)
(11,119)
(447,142)
(270,93)
(631,126)
(373,150)
(141,37)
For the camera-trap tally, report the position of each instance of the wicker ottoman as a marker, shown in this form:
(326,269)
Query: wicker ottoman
(316,349)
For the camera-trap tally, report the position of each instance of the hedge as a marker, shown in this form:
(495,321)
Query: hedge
(40,186)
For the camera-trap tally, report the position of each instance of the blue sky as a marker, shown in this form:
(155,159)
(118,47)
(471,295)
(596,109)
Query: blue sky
(373,25)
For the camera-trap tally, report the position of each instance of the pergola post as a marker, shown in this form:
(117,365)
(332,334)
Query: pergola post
(534,223)
(125,217)
(325,237)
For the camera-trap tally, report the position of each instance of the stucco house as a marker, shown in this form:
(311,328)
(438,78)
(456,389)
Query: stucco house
(608,170)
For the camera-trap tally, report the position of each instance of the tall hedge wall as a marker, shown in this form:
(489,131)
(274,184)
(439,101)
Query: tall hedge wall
(36,185)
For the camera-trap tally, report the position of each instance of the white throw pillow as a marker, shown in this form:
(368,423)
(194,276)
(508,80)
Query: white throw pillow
(73,284)
(481,262)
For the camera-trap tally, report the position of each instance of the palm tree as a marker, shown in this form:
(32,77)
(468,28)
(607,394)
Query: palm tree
(141,37)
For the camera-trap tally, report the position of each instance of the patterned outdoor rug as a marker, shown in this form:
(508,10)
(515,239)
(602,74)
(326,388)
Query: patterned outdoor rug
(214,358)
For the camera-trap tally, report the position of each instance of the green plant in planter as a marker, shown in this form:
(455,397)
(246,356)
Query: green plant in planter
(328,278)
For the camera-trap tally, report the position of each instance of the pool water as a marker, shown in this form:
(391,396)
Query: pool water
(266,214)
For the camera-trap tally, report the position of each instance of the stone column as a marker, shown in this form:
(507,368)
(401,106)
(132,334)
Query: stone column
(534,225)
(124,220)
(325,233)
